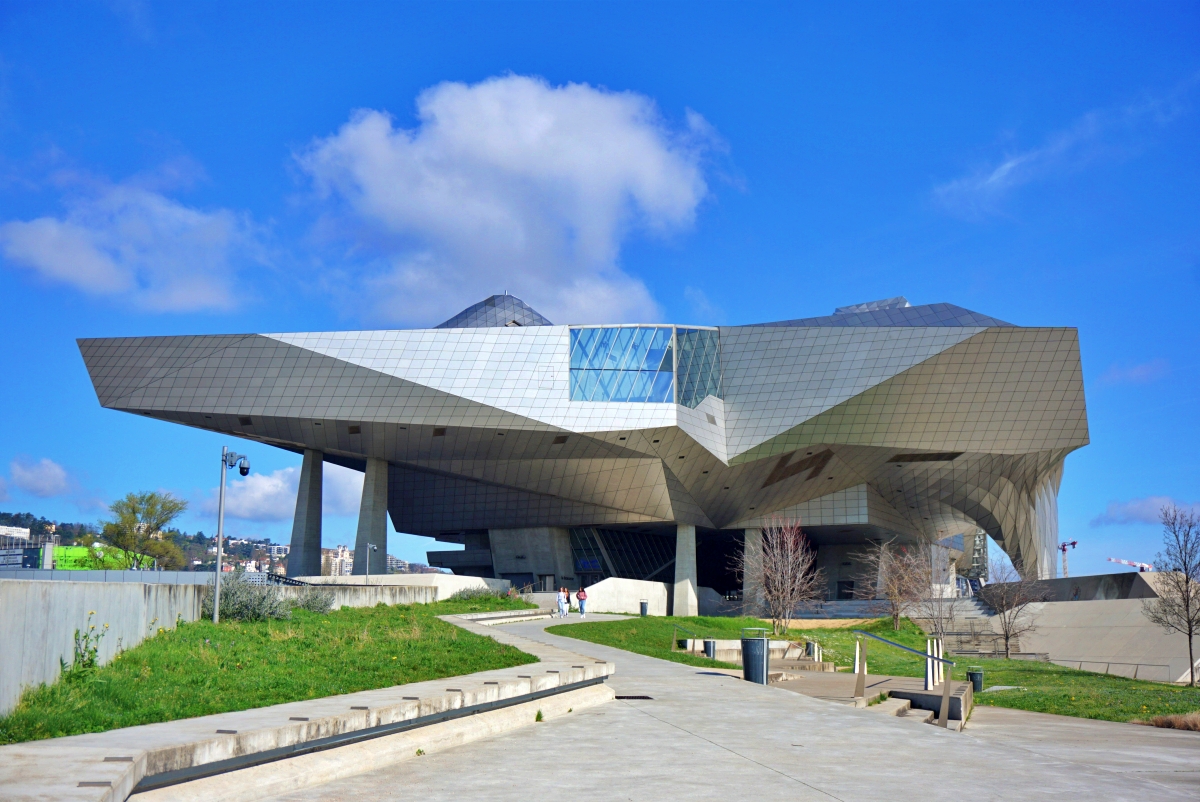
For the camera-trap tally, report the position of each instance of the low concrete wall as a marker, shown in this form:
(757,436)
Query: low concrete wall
(370,595)
(614,595)
(446,584)
(1099,587)
(140,577)
(1109,637)
(38,620)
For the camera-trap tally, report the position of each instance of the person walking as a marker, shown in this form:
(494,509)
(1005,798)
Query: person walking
(564,599)
(581,597)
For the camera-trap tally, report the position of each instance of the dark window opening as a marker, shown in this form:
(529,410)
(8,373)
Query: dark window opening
(246,421)
(439,432)
(355,430)
(560,439)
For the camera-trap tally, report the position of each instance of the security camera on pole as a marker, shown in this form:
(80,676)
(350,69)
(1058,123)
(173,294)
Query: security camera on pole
(228,460)
(370,548)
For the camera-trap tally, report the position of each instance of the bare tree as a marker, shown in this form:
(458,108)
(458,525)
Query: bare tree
(937,598)
(891,577)
(1012,597)
(784,570)
(1177,608)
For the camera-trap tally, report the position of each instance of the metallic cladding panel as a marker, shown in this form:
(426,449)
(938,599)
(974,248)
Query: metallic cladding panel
(480,432)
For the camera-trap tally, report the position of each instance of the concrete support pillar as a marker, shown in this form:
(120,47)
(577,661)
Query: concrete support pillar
(752,572)
(372,519)
(685,600)
(304,557)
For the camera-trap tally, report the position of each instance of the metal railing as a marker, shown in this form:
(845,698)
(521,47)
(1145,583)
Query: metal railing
(860,685)
(675,638)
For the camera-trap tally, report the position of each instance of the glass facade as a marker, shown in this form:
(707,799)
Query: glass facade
(601,553)
(629,363)
(638,363)
(699,365)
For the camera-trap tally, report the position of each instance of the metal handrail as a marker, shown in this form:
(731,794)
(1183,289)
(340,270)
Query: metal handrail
(905,648)
(860,686)
(675,632)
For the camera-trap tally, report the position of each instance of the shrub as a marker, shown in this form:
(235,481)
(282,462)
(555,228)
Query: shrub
(1175,721)
(468,594)
(242,600)
(314,600)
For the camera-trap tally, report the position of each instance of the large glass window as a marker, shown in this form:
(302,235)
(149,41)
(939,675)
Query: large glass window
(699,365)
(639,363)
(627,363)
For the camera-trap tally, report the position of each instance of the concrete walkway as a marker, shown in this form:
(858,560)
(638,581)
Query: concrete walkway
(708,736)
(1169,757)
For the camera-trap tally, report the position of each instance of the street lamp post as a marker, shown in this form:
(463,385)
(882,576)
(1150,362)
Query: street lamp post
(370,548)
(228,460)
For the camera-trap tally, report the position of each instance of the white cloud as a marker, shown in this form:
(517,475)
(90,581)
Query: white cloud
(1111,131)
(44,478)
(705,311)
(343,490)
(272,496)
(509,184)
(1138,511)
(1142,373)
(132,242)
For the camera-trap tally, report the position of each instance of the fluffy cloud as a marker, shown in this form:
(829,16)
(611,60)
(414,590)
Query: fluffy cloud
(1138,511)
(509,184)
(132,242)
(1142,373)
(44,478)
(272,496)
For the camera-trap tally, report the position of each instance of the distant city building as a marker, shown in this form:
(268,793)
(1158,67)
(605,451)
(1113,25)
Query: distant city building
(338,561)
(15,532)
(395,565)
(277,551)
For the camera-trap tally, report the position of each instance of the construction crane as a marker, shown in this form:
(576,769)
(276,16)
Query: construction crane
(1142,567)
(1063,548)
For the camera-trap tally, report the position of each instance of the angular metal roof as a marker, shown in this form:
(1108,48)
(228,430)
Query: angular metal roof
(499,310)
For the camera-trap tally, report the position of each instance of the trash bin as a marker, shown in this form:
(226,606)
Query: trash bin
(975,676)
(710,649)
(756,651)
(645,608)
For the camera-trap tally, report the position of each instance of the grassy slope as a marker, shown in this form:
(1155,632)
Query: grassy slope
(199,668)
(1048,688)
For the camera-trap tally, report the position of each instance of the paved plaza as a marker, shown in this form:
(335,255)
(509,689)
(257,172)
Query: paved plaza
(708,736)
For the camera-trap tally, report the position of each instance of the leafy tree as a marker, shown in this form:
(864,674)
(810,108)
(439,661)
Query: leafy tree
(1177,581)
(137,527)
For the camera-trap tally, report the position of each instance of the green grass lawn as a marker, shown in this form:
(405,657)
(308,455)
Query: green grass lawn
(1047,688)
(201,668)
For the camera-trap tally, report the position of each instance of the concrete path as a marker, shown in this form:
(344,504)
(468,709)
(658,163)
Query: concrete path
(1169,757)
(708,736)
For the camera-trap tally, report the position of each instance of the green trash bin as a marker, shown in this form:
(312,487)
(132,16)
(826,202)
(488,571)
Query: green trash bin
(975,676)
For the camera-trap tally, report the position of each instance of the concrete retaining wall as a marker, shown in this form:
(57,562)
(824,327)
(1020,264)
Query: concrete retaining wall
(38,620)
(446,584)
(141,577)
(614,595)
(370,595)
(1109,637)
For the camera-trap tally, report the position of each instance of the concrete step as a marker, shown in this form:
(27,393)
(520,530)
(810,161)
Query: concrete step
(919,716)
(892,707)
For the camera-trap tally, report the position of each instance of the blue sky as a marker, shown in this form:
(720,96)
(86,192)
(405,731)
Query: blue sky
(221,167)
